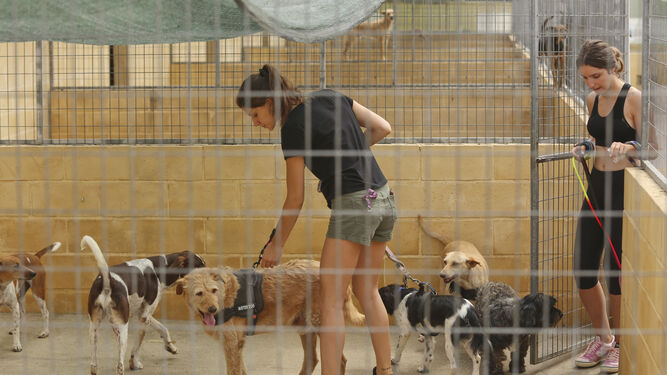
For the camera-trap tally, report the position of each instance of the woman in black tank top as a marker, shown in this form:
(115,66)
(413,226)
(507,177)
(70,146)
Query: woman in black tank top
(614,125)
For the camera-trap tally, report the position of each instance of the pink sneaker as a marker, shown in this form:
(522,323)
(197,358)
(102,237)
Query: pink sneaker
(594,353)
(610,364)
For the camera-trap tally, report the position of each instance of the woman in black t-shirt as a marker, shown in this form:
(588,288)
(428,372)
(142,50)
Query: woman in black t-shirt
(323,133)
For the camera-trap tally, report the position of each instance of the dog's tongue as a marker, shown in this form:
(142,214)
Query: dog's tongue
(209,319)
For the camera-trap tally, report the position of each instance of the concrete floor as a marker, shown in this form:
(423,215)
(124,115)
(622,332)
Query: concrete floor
(67,350)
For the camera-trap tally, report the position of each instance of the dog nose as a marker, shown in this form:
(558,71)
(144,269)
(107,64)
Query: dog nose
(212,309)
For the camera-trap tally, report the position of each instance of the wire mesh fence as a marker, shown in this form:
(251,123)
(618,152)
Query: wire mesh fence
(143,148)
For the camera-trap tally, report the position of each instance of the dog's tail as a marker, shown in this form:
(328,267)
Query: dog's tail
(352,315)
(440,237)
(89,242)
(49,249)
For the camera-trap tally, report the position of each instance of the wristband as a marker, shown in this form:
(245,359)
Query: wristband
(588,145)
(638,148)
(635,144)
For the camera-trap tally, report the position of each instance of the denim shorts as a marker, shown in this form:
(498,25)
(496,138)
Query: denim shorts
(361,219)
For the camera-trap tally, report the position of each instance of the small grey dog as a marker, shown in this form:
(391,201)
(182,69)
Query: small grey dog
(498,305)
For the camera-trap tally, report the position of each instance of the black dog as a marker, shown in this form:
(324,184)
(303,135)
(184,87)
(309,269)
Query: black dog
(498,305)
(431,315)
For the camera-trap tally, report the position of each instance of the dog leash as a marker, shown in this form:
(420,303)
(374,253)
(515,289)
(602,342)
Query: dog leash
(590,204)
(261,253)
(406,274)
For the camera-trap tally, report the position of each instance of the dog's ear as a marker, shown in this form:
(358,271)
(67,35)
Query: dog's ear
(180,262)
(216,275)
(181,285)
(528,315)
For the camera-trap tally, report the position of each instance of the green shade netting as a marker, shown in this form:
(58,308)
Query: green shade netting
(119,22)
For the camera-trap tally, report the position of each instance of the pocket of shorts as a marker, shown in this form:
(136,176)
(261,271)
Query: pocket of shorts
(394,210)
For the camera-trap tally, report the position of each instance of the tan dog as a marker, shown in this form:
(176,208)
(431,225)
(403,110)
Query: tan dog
(552,44)
(463,264)
(286,295)
(380,30)
(18,273)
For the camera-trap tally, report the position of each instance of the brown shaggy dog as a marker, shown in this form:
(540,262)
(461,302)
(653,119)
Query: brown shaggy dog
(553,45)
(290,295)
(463,265)
(379,30)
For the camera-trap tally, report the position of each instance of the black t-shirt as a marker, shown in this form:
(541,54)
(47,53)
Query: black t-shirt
(325,131)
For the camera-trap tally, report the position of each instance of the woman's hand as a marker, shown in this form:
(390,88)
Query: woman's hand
(272,255)
(618,151)
(578,152)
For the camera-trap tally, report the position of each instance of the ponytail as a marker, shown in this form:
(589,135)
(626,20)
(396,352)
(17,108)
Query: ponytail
(620,65)
(268,83)
(599,54)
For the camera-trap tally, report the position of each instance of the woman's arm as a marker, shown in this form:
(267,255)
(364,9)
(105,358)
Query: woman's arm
(633,107)
(378,127)
(291,207)
(579,150)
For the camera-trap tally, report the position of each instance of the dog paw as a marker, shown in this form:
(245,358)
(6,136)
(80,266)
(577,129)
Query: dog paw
(423,370)
(394,361)
(420,338)
(522,367)
(120,369)
(135,364)
(44,334)
(171,348)
(17,348)
(93,369)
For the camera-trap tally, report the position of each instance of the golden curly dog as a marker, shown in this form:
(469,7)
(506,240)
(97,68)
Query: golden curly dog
(463,264)
(290,298)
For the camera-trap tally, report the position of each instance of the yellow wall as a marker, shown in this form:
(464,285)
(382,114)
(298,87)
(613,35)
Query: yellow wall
(644,309)
(222,201)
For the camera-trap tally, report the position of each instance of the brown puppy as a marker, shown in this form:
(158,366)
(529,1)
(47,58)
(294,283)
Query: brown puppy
(463,265)
(553,45)
(380,30)
(29,264)
(286,295)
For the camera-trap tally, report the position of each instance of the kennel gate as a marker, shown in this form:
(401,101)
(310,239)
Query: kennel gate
(558,115)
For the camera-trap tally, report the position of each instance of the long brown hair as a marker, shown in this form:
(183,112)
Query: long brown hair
(599,54)
(268,83)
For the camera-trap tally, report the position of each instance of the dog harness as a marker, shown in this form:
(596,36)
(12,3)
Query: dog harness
(249,300)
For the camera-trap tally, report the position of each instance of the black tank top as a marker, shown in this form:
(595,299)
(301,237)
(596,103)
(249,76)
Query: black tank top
(613,127)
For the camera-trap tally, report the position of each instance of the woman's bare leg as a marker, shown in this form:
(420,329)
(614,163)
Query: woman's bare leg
(337,264)
(596,307)
(365,287)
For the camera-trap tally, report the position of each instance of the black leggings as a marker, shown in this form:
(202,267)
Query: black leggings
(606,194)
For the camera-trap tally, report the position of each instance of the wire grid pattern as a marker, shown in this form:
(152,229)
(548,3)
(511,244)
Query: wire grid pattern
(655,82)
(561,27)
(450,75)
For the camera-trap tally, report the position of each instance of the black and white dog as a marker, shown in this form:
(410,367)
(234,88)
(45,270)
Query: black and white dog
(133,288)
(499,306)
(431,315)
